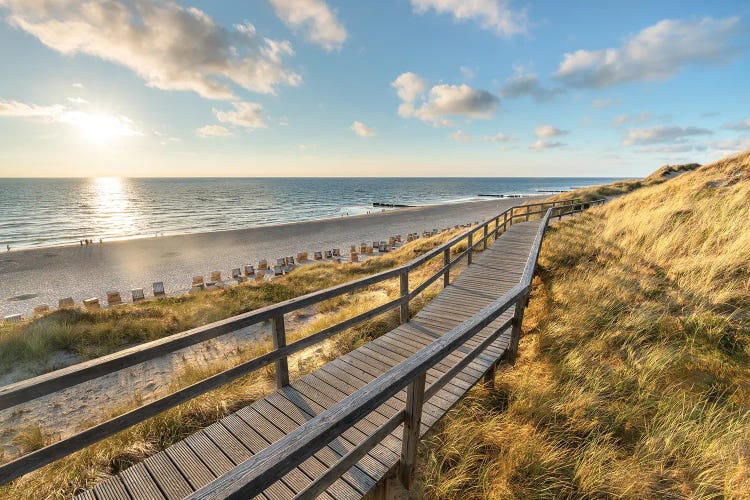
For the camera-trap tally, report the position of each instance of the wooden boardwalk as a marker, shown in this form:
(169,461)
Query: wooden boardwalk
(196,461)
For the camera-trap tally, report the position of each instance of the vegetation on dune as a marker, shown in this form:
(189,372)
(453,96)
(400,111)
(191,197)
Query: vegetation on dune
(632,379)
(90,466)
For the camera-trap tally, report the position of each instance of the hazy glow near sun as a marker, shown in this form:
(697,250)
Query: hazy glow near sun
(100,129)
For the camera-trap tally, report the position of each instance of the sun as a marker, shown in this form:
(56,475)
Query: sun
(99,128)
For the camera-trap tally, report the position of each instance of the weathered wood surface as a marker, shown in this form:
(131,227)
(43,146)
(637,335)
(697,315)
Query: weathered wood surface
(194,462)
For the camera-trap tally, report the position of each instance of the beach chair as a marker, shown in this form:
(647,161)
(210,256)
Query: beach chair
(12,318)
(301,256)
(363,247)
(318,255)
(215,276)
(409,238)
(369,250)
(198,281)
(249,271)
(278,270)
(281,262)
(398,238)
(113,298)
(425,234)
(352,248)
(158,288)
(391,241)
(137,294)
(328,254)
(237,275)
(92,303)
(336,252)
(375,244)
(42,309)
(353,257)
(382,247)
(66,303)
(262,264)
(290,261)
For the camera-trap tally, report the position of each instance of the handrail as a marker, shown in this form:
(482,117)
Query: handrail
(55,381)
(251,477)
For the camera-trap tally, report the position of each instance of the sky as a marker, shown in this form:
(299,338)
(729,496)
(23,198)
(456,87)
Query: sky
(451,88)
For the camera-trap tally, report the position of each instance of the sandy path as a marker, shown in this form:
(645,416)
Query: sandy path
(42,276)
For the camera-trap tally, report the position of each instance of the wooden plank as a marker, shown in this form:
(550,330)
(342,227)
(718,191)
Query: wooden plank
(140,484)
(188,463)
(210,454)
(171,483)
(111,489)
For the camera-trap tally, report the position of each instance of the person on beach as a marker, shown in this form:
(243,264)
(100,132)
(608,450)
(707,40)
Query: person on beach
(8,247)
(81,242)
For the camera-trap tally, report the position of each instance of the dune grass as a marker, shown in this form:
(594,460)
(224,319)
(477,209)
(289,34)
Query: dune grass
(632,379)
(90,466)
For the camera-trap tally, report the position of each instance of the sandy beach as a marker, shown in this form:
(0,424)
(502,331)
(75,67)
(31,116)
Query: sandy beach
(43,276)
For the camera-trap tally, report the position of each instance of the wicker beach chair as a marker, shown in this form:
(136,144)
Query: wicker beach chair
(262,264)
(41,309)
(158,288)
(114,298)
(318,256)
(278,270)
(92,303)
(336,252)
(249,271)
(66,303)
(363,247)
(301,257)
(328,254)
(237,275)
(215,276)
(198,281)
(137,294)
(353,257)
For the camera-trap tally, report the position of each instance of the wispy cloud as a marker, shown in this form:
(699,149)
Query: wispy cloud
(740,125)
(541,145)
(362,130)
(492,15)
(655,53)
(662,134)
(545,131)
(213,131)
(527,84)
(315,19)
(245,114)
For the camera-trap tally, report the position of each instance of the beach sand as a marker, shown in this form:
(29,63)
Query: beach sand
(43,276)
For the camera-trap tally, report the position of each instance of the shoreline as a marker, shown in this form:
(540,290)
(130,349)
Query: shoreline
(36,276)
(374,211)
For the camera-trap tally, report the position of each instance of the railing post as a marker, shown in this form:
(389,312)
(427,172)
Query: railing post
(489,376)
(412,424)
(527,212)
(446,261)
(515,335)
(497,226)
(404,281)
(485,236)
(278,332)
(505,221)
(470,247)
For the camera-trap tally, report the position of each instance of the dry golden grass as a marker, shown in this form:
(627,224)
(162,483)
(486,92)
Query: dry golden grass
(632,380)
(90,466)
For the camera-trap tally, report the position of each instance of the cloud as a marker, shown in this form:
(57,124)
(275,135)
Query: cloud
(673,148)
(655,53)
(739,126)
(213,131)
(461,136)
(544,131)
(491,15)
(315,19)
(541,145)
(170,47)
(17,109)
(623,119)
(77,85)
(77,100)
(499,137)
(467,73)
(527,84)
(246,114)
(441,101)
(728,147)
(362,130)
(661,134)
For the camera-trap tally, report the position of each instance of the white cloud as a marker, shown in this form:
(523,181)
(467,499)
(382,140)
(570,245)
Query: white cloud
(213,131)
(246,114)
(467,73)
(544,131)
(77,100)
(441,101)
(461,136)
(655,53)
(728,147)
(313,17)
(499,137)
(170,47)
(673,148)
(541,145)
(740,125)
(661,134)
(77,85)
(22,110)
(623,119)
(523,84)
(491,15)
(362,130)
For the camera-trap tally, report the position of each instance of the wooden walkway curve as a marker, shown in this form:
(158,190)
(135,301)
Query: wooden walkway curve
(196,461)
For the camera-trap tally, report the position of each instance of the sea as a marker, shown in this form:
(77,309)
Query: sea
(48,212)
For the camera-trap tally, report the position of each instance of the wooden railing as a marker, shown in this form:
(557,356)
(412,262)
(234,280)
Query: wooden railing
(27,390)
